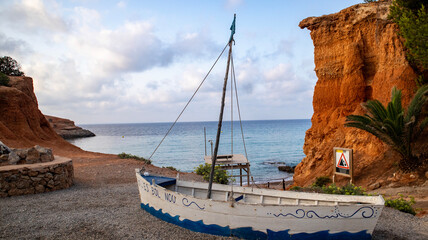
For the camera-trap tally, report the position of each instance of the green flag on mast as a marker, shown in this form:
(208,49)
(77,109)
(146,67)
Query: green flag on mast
(232,28)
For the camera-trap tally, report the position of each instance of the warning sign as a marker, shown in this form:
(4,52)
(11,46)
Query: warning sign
(342,160)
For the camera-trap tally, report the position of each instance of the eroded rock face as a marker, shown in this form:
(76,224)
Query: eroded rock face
(22,125)
(66,128)
(358,57)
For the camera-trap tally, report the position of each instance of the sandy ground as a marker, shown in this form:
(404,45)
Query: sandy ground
(104,204)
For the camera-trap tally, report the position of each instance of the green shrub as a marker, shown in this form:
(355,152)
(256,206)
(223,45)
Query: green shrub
(401,204)
(171,168)
(220,176)
(10,66)
(411,16)
(321,181)
(295,188)
(4,80)
(349,189)
(130,156)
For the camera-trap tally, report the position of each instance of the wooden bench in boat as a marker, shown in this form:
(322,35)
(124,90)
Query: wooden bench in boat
(232,162)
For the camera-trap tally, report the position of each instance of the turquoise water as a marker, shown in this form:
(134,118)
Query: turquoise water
(269,143)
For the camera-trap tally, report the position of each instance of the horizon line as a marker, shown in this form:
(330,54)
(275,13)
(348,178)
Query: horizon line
(254,120)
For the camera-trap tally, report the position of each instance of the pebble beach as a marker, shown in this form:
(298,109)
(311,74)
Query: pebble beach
(101,206)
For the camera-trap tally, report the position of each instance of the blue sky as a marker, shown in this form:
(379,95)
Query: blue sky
(97,61)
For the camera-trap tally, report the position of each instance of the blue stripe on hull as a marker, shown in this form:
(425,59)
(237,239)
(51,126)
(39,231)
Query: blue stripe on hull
(248,232)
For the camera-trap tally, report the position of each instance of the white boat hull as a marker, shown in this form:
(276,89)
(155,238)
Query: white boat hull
(248,219)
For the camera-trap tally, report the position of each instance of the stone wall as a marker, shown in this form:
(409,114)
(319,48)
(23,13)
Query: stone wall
(36,178)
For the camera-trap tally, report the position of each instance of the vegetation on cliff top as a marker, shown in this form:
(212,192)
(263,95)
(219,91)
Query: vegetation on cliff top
(395,126)
(411,16)
(10,66)
(4,80)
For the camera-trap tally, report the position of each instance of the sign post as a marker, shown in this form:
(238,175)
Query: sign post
(342,162)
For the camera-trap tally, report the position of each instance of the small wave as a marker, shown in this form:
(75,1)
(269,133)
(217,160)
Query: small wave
(273,162)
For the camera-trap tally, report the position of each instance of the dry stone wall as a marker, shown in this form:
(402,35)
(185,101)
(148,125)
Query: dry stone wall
(36,178)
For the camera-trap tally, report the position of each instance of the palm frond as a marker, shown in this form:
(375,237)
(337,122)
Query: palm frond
(421,128)
(365,123)
(394,107)
(391,124)
(376,110)
(418,101)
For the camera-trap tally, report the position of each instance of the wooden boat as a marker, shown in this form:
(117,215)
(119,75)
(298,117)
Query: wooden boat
(254,213)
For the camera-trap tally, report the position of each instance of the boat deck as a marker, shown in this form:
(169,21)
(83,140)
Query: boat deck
(250,195)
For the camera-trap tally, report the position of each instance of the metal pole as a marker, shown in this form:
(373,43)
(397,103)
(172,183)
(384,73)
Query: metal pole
(205,140)
(211,141)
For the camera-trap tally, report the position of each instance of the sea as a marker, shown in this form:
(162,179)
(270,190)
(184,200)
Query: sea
(269,143)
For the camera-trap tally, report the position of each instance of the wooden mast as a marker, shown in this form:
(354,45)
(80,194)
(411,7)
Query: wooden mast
(220,120)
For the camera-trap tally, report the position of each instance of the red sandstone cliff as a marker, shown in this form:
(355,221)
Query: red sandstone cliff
(358,57)
(22,124)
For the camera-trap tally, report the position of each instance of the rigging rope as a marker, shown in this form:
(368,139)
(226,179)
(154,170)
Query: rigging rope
(231,117)
(169,130)
(239,113)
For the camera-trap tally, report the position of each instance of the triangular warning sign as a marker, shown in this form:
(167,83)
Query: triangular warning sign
(342,163)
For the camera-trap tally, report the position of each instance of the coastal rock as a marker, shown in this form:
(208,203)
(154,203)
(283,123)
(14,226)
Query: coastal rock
(358,57)
(22,125)
(4,149)
(45,153)
(374,186)
(32,156)
(13,158)
(66,128)
(285,168)
(22,153)
(4,158)
(36,154)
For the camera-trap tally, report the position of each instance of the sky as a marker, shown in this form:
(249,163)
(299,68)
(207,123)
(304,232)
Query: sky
(112,61)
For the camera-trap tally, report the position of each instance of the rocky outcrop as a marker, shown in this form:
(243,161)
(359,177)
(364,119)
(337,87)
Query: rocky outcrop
(36,154)
(358,57)
(286,168)
(66,128)
(22,125)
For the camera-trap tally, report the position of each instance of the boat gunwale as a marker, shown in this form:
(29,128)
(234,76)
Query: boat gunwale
(333,198)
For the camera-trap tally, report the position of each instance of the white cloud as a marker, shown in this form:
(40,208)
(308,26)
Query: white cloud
(83,67)
(282,84)
(231,4)
(88,67)
(121,4)
(13,47)
(33,16)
